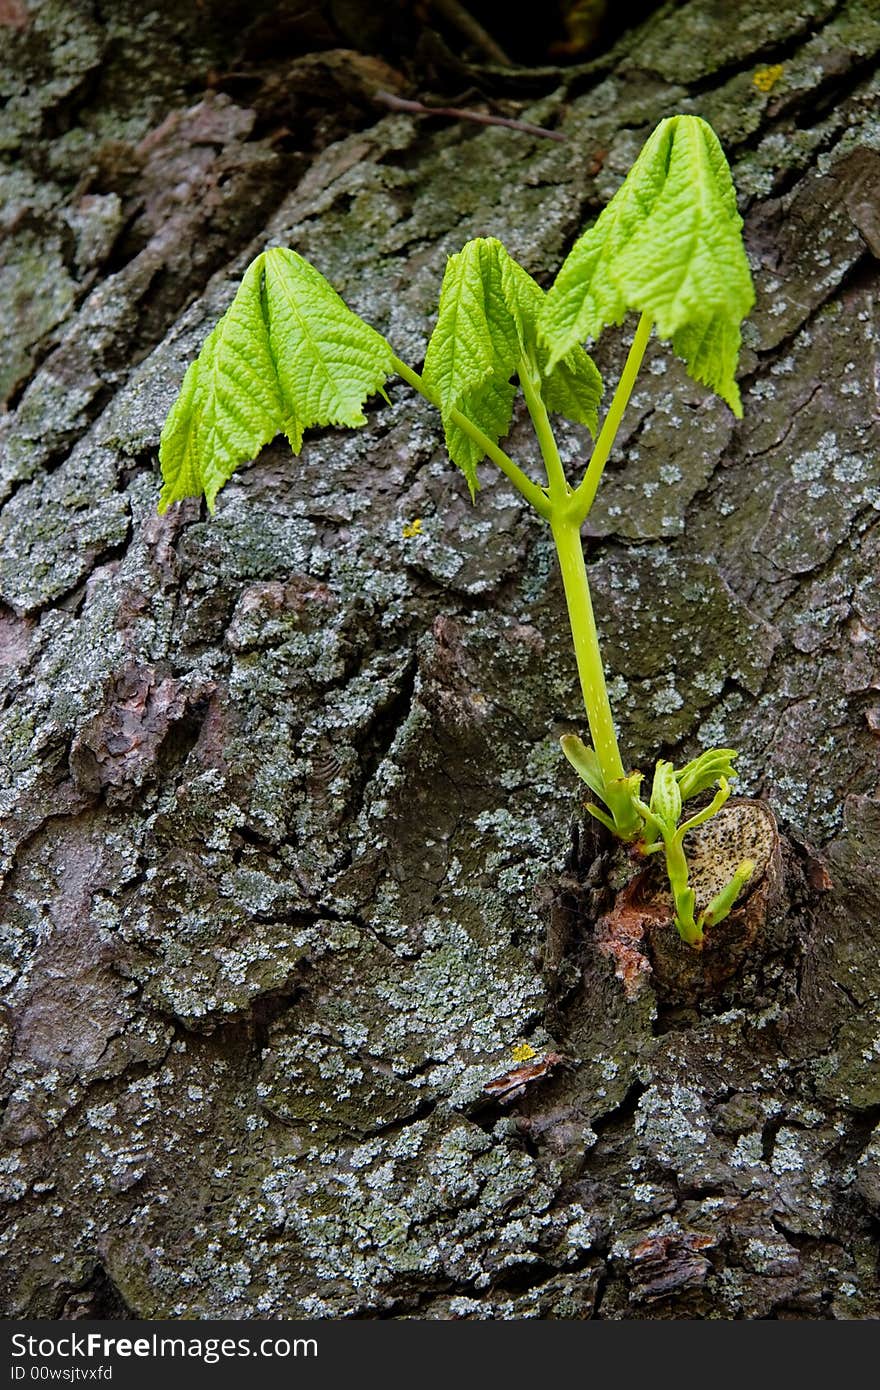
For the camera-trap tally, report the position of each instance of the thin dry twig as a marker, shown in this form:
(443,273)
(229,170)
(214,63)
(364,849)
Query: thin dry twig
(418,108)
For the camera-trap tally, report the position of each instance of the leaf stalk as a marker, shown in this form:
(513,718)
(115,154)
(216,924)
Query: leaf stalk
(530,490)
(584,496)
(558,489)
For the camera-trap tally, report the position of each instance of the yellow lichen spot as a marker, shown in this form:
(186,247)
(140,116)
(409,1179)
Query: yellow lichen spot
(765,79)
(412,528)
(522,1052)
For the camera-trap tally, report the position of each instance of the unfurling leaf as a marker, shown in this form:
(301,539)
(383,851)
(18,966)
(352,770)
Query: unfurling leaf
(665,795)
(702,772)
(668,245)
(486,324)
(287,354)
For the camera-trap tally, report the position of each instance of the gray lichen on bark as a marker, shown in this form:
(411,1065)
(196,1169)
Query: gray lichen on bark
(285,829)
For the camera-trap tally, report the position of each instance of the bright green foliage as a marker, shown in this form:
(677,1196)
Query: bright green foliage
(669,245)
(286,355)
(329,361)
(229,405)
(486,325)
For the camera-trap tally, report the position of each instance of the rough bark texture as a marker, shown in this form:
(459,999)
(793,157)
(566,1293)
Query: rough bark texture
(286,831)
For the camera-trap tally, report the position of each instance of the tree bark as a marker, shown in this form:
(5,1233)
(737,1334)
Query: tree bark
(287,842)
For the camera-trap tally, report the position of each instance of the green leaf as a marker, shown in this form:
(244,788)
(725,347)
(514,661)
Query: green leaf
(669,244)
(487,323)
(328,360)
(229,404)
(287,354)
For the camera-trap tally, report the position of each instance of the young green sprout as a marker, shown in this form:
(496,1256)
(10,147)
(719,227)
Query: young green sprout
(289,355)
(663,818)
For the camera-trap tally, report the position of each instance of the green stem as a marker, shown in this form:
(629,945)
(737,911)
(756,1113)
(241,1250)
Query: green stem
(533,494)
(586,645)
(529,380)
(582,499)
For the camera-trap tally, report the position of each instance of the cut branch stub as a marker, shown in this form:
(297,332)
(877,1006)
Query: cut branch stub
(639,932)
(743,829)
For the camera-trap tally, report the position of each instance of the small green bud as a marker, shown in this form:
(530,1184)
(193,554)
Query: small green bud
(585,763)
(722,903)
(666,795)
